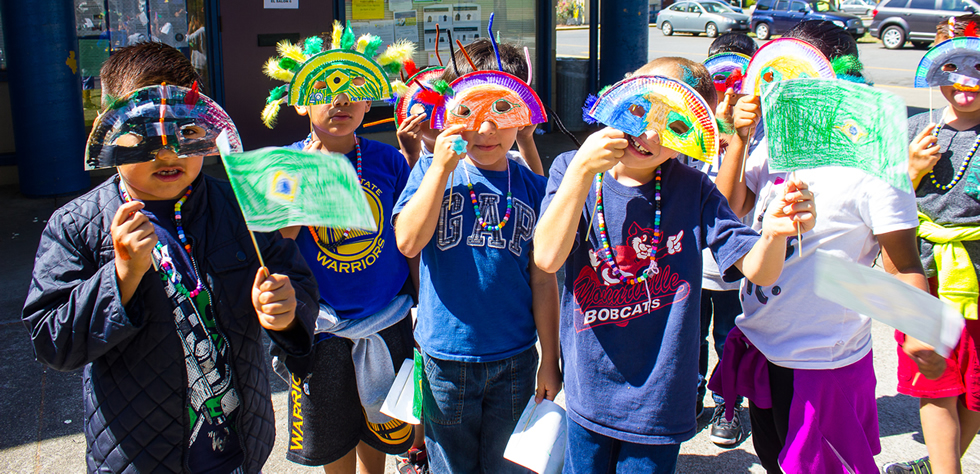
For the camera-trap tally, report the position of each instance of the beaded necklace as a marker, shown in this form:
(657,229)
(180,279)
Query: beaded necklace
(959,172)
(166,266)
(607,252)
(316,237)
(476,204)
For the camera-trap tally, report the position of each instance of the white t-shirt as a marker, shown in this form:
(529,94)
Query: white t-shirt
(788,322)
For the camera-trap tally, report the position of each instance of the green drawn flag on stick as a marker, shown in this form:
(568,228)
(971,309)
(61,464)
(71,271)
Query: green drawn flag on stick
(279,188)
(821,122)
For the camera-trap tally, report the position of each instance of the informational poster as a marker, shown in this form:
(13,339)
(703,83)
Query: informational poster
(281,4)
(384,29)
(367,9)
(432,15)
(399,5)
(407,26)
(466,22)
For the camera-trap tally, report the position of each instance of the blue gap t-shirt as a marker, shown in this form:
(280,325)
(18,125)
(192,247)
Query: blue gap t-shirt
(475,295)
(212,400)
(358,276)
(630,352)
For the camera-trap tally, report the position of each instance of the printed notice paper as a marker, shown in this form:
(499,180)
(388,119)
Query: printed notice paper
(401,398)
(538,441)
(883,297)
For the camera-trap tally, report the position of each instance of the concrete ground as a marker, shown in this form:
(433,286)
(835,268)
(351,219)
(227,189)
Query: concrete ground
(41,409)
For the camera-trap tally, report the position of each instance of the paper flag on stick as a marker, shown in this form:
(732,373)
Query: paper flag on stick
(819,122)
(538,441)
(277,188)
(400,401)
(883,297)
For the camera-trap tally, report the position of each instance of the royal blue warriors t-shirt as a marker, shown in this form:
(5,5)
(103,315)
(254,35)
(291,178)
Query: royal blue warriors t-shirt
(360,272)
(631,351)
(475,295)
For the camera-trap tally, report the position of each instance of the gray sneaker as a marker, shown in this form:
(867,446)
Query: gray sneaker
(725,433)
(919,466)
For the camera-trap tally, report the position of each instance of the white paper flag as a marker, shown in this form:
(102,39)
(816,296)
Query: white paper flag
(538,441)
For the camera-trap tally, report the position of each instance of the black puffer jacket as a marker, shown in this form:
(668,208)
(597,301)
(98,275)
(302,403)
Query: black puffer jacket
(134,381)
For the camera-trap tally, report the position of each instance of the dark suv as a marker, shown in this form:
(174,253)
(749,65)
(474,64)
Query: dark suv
(772,17)
(898,21)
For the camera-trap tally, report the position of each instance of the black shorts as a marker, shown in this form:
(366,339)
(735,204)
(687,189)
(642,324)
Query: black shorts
(329,422)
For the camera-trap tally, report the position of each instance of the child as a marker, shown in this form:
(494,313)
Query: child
(719,298)
(631,349)
(364,331)
(174,372)
(416,137)
(812,347)
(949,406)
(481,299)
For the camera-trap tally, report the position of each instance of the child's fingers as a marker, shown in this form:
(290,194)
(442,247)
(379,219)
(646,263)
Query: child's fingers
(452,130)
(126,212)
(925,132)
(274,282)
(260,277)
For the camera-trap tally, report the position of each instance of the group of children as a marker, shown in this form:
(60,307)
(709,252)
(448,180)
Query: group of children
(473,239)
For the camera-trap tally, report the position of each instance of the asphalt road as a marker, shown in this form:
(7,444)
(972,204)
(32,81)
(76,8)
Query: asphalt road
(891,70)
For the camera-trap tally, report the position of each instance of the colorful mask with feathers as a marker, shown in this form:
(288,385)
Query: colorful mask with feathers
(953,62)
(133,129)
(423,88)
(673,109)
(727,70)
(784,59)
(349,67)
(489,96)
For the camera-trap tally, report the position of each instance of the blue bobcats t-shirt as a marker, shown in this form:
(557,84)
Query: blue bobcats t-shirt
(475,295)
(631,351)
(360,273)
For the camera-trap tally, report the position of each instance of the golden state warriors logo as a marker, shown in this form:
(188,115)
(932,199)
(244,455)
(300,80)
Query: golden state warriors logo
(353,250)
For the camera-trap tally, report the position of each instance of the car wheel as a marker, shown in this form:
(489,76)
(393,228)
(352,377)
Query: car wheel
(893,37)
(711,30)
(762,31)
(666,28)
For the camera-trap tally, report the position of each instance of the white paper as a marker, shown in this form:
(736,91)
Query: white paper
(883,297)
(280,4)
(407,26)
(401,397)
(538,441)
(399,5)
(384,29)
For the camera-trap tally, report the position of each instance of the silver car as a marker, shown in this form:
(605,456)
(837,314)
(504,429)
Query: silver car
(710,18)
(857,7)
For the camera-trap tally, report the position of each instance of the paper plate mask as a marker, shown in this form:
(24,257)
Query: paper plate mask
(137,127)
(953,62)
(727,70)
(348,67)
(784,59)
(671,108)
(490,96)
(409,97)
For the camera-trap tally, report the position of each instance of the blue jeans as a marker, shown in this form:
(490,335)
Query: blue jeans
(470,410)
(589,452)
(725,306)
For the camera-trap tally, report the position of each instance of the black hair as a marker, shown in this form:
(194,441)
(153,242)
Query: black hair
(145,64)
(733,43)
(484,58)
(832,40)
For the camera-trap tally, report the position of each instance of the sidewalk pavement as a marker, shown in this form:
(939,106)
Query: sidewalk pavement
(41,409)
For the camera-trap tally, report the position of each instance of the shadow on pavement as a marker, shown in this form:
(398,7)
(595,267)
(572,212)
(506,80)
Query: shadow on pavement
(734,461)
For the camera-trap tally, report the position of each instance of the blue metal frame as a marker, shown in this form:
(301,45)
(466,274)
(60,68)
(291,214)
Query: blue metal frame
(212,14)
(544,43)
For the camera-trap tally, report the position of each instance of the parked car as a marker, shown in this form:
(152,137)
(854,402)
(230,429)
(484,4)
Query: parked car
(772,17)
(898,21)
(857,7)
(710,18)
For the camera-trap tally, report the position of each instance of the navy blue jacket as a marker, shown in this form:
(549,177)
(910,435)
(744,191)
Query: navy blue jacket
(134,379)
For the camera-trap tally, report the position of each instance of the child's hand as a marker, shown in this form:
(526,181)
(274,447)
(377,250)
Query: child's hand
(274,300)
(443,153)
(923,153)
(133,239)
(527,133)
(726,107)
(748,111)
(549,381)
(409,135)
(931,364)
(794,212)
(601,151)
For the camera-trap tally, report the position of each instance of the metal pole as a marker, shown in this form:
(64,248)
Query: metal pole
(593,46)
(625,42)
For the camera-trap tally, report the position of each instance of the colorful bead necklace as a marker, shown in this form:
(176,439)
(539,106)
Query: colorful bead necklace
(476,204)
(959,172)
(316,237)
(166,266)
(607,253)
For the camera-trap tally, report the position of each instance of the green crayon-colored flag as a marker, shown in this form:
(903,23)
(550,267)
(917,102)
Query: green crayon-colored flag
(823,122)
(279,188)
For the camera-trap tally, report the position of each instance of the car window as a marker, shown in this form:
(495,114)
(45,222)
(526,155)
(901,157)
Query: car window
(797,7)
(955,5)
(781,5)
(678,7)
(922,4)
(714,7)
(763,5)
(693,8)
(822,6)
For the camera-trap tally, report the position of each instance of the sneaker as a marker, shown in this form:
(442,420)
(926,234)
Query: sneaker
(723,432)
(415,461)
(699,408)
(919,466)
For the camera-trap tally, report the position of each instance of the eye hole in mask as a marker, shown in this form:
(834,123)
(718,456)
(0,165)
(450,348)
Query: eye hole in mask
(768,76)
(503,106)
(192,132)
(462,111)
(678,124)
(358,81)
(949,67)
(679,127)
(720,77)
(128,140)
(319,85)
(637,110)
